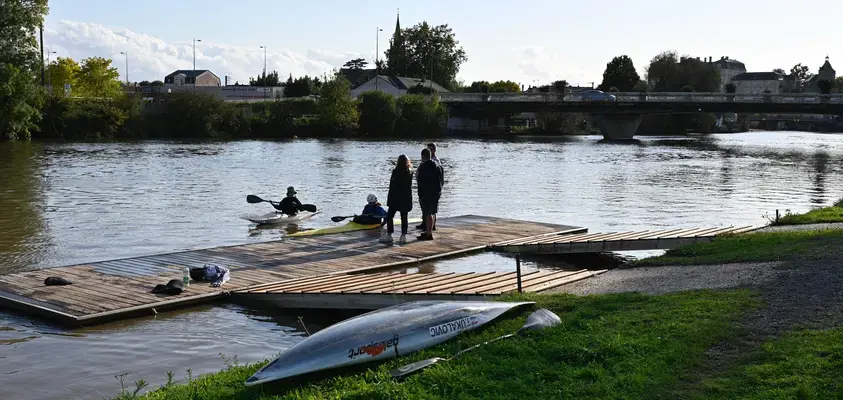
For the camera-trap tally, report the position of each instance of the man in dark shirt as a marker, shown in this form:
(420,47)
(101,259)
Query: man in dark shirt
(432,147)
(429,181)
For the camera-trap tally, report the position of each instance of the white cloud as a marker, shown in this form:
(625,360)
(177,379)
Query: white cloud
(151,58)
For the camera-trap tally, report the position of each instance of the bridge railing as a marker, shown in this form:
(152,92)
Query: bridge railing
(651,97)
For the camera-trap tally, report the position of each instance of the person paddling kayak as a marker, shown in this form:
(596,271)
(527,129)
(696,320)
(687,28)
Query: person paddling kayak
(289,205)
(372,213)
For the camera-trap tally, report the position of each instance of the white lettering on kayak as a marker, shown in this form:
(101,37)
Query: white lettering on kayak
(453,326)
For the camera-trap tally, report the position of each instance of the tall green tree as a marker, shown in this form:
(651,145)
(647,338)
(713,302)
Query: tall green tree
(270,79)
(430,52)
(669,73)
(378,113)
(336,108)
(356,64)
(620,73)
(63,71)
(801,72)
(20,96)
(98,78)
(495,87)
(780,71)
(301,87)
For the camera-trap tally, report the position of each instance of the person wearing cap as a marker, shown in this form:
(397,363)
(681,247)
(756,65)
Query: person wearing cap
(290,204)
(373,212)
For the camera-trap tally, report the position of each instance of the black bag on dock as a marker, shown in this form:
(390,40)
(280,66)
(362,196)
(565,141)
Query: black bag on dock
(56,281)
(174,286)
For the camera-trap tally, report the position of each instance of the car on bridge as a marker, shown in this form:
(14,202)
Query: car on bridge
(597,95)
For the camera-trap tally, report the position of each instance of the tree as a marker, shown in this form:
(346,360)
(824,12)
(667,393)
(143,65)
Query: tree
(479,87)
(63,71)
(378,113)
(356,64)
(780,71)
(144,83)
(301,87)
(620,73)
(270,79)
(420,115)
(825,86)
(424,51)
(505,87)
(838,84)
(801,72)
(20,97)
(159,83)
(669,73)
(641,87)
(97,78)
(731,88)
(336,108)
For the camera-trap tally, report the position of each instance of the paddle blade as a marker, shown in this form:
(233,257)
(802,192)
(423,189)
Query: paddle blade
(308,207)
(412,368)
(338,219)
(252,199)
(542,318)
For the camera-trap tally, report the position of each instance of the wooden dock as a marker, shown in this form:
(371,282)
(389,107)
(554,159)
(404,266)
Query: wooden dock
(117,289)
(553,243)
(373,291)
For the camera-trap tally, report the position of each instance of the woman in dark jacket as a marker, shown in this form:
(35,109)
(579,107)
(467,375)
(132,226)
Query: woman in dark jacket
(400,198)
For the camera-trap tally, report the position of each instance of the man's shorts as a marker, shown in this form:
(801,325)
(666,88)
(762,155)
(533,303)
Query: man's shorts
(429,205)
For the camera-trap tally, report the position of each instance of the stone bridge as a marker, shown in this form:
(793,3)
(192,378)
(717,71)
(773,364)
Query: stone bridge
(620,118)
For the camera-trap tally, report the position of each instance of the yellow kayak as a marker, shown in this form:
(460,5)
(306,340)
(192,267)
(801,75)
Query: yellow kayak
(349,227)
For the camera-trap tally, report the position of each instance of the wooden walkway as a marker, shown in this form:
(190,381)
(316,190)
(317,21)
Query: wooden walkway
(372,291)
(121,288)
(554,243)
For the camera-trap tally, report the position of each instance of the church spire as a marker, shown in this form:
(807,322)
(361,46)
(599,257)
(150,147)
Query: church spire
(396,56)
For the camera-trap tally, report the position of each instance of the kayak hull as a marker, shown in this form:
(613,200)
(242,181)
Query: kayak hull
(278,218)
(348,227)
(380,335)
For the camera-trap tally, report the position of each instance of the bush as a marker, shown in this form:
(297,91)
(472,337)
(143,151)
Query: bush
(825,86)
(378,113)
(85,119)
(420,116)
(189,115)
(731,88)
(336,108)
(613,90)
(688,89)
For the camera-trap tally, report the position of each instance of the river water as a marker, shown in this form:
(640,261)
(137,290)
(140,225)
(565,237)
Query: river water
(72,203)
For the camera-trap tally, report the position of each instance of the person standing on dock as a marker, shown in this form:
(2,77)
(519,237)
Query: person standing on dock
(399,198)
(429,182)
(432,147)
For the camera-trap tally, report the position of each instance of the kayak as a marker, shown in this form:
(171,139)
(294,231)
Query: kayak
(348,227)
(376,336)
(277,218)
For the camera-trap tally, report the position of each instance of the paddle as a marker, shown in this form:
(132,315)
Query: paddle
(252,199)
(338,219)
(542,318)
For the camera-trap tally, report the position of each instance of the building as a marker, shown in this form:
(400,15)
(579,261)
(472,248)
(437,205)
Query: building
(826,72)
(758,82)
(203,77)
(728,70)
(396,86)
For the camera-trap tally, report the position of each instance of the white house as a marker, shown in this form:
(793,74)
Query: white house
(758,82)
(394,85)
(728,69)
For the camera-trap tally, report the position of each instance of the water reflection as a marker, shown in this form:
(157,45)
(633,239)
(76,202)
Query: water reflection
(820,161)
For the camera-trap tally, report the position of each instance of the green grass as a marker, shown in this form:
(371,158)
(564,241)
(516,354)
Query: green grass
(624,346)
(833,213)
(752,247)
(801,365)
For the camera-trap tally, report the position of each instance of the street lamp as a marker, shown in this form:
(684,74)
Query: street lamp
(194,63)
(264,72)
(126,53)
(377,50)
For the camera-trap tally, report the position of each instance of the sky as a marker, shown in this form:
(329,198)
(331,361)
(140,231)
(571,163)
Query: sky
(529,41)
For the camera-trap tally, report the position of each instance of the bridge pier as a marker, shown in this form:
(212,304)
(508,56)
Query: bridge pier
(618,126)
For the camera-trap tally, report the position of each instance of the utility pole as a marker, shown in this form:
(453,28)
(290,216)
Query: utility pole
(49,74)
(43,77)
(264,72)
(194,63)
(377,50)
(126,53)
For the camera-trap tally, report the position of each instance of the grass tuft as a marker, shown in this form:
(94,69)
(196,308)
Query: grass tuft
(834,213)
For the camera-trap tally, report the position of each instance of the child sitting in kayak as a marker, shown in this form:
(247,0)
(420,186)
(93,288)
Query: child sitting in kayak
(372,213)
(289,205)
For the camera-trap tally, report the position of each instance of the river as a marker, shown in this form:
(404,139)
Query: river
(69,203)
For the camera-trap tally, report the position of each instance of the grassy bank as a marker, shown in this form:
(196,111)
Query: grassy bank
(751,247)
(833,213)
(609,346)
(801,365)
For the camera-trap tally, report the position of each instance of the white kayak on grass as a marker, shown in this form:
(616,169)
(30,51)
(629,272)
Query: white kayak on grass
(383,334)
(278,218)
